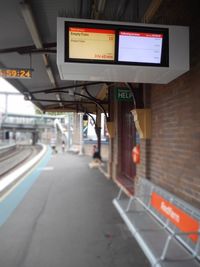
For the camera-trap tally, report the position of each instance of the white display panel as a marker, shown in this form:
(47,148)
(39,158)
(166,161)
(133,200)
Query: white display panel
(140,47)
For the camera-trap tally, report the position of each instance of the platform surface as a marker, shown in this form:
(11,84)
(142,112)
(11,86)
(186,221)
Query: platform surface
(67,219)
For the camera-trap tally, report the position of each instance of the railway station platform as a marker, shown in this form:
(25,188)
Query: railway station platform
(65,218)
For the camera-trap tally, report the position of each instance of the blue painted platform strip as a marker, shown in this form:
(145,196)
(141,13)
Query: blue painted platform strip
(9,204)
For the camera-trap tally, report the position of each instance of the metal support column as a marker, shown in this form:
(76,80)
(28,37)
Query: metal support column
(98,131)
(81,134)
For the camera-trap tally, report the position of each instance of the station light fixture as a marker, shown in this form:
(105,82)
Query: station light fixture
(50,74)
(30,22)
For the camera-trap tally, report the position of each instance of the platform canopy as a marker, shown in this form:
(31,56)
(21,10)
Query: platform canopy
(28,42)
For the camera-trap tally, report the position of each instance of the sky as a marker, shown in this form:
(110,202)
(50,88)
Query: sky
(16,104)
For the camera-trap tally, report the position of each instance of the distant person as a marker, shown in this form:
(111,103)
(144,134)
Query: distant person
(96,154)
(96,162)
(53,145)
(63,146)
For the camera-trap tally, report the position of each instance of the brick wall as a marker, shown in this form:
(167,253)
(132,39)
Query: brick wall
(172,157)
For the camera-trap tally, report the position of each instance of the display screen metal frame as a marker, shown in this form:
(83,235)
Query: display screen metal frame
(119,28)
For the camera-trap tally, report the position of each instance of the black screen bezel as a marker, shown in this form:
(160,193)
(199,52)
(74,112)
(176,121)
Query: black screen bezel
(118,28)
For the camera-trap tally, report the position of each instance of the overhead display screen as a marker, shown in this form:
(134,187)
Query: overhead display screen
(91,44)
(116,44)
(140,47)
(110,51)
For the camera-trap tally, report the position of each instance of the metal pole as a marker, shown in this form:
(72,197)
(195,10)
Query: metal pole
(68,137)
(98,131)
(6,105)
(81,134)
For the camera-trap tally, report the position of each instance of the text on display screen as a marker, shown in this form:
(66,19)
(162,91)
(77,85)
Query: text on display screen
(91,43)
(140,47)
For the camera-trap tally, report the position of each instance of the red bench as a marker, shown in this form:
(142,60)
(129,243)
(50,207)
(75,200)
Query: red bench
(166,227)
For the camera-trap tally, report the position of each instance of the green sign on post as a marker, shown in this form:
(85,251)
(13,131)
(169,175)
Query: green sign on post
(123,94)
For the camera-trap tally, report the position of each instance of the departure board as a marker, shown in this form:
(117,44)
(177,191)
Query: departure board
(140,47)
(91,44)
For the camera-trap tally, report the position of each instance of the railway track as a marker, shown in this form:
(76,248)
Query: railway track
(14,159)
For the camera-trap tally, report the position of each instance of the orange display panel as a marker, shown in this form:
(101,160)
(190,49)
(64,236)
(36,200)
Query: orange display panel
(178,217)
(16,73)
(91,44)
